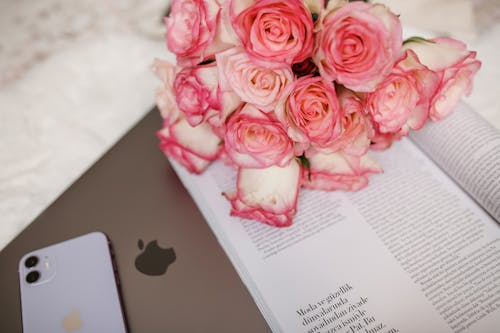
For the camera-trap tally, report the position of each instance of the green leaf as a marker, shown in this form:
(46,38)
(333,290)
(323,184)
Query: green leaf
(417,39)
(305,162)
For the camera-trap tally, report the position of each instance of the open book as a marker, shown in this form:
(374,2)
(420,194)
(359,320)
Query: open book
(418,250)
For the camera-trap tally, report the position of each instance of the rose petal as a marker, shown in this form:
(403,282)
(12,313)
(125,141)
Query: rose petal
(267,195)
(165,96)
(338,171)
(193,147)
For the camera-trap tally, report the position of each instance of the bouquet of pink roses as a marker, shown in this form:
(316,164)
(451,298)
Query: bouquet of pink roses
(295,93)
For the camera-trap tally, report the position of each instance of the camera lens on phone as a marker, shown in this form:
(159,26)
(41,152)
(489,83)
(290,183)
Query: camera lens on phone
(32,277)
(31,262)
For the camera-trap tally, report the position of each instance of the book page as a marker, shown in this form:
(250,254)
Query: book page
(468,148)
(409,253)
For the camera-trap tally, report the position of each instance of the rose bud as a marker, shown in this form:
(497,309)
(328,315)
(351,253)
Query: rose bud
(311,112)
(275,34)
(193,147)
(358,44)
(199,98)
(254,84)
(255,139)
(456,66)
(267,195)
(401,102)
(338,171)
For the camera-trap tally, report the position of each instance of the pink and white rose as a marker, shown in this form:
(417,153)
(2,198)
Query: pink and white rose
(191,27)
(267,195)
(274,33)
(358,44)
(456,66)
(294,93)
(255,139)
(356,129)
(311,112)
(165,95)
(338,171)
(401,102)
(252,83)
(193,147)
(198,95)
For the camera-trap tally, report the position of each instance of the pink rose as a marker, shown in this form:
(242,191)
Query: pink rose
(165,97)
(198,95)
(191,27)
(338,171)
(311,112)
(255,139)
(401,101)
(193,147)
(254,84)
(274,33)
(358,44)
(356,133)
(267,195)
(455,64)
(198,29)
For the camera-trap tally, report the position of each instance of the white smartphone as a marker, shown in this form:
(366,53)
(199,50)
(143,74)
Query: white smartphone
(71,287)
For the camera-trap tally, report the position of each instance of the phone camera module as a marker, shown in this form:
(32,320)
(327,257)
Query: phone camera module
(31,262)
(32,277)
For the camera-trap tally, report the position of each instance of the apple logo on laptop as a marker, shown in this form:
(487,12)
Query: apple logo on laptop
(154,260)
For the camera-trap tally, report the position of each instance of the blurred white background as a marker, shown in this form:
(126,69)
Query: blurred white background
(75,76)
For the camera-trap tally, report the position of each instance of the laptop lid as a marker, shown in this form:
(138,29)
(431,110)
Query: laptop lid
(134,197)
